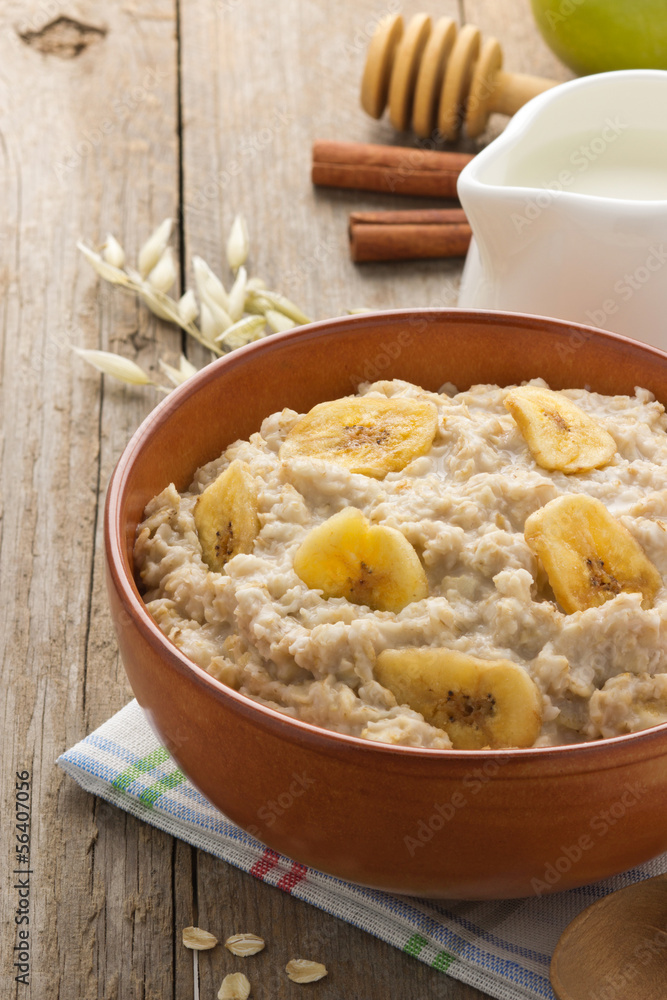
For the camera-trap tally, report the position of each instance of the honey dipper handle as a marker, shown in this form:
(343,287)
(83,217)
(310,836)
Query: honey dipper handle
(513,90)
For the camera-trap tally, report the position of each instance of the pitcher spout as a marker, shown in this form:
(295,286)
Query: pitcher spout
(568,207)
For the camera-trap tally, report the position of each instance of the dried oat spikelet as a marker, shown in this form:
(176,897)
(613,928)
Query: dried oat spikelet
(560,435)
(198,939)
(113,252)
(214,322)
(154,247)
(223,325)
(365,434)
(186,367)
(243,332)
(278,322)
(238,243)
(284,305)
(226,515)
(256,304)
(244,944)
(104,268)
(163,275)
(234,987)
(187,307)
(588,555)
(157,301)
(302,970)
(237,294)
(260,299)
(255,285)
(117,366)
(478,703)
(372,565)
(209,286)
(177,376)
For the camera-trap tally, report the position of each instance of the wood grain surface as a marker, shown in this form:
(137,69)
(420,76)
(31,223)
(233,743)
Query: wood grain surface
(114,116)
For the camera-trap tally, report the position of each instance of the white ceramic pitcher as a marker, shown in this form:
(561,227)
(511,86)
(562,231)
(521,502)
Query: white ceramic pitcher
(568,207)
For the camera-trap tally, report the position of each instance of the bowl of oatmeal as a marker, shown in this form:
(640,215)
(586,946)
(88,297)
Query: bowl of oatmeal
(415,563)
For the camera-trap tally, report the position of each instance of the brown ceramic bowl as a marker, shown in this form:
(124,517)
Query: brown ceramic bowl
(446,823)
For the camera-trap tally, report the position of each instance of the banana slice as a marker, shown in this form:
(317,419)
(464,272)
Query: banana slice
(364,434)
(226,515)
(559,434)
(478,703)
(368,564)
(588,555)
(629,703)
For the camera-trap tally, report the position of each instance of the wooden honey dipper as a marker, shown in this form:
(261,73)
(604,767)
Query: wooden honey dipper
(435,76)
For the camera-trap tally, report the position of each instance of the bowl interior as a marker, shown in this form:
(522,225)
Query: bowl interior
(230,398)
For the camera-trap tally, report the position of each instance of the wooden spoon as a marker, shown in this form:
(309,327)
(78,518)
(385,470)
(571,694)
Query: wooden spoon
(617,948)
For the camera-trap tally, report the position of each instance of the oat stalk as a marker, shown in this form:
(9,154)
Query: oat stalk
(227,319)
(119,367)
(157,300)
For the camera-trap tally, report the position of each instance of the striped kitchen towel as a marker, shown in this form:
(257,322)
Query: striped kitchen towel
(502,947)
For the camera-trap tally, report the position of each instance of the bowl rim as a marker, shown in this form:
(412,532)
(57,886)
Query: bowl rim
(288,727)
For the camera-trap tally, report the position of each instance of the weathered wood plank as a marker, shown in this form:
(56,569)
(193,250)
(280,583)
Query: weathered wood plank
(89,146)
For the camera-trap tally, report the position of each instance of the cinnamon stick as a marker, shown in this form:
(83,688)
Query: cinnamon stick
(408,235)
(396,169)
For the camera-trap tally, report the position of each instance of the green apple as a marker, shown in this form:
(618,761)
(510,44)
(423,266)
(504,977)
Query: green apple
(593,36)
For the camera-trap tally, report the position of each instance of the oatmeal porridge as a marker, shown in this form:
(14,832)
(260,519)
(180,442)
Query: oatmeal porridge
(469,569)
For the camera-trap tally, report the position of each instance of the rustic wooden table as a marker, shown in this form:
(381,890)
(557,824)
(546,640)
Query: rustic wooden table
(115,116)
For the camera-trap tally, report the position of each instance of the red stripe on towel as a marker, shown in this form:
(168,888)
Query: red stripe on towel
(268,860)
(296,873)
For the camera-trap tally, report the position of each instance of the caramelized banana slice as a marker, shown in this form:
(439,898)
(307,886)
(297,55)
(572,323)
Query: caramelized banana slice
(368,564)
(588,555)
(559,434)
(629,703)
(226,515)
(364,434)
(478,703)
